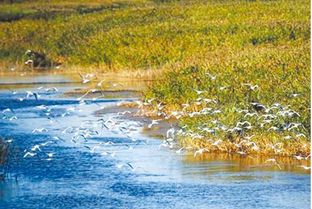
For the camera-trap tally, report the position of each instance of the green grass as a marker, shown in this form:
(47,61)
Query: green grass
(278,79)
(145,34)
(265,43)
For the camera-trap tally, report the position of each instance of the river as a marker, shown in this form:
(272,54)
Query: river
(79,163)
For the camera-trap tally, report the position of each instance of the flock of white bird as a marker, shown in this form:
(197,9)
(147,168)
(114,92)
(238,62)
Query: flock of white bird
(270,118)
(79,135)
(262,117)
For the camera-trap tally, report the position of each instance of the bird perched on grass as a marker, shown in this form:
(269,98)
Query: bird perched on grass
(251,87)
(257,106)
(39,60)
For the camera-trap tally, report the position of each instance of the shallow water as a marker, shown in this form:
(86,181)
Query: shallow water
(110,170)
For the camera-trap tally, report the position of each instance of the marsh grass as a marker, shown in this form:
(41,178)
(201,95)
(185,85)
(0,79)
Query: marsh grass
(279,79)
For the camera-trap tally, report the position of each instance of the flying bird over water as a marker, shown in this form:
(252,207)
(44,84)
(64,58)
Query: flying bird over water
(39,130)
(52,89)
(29,154)
(86,78)
(30,93)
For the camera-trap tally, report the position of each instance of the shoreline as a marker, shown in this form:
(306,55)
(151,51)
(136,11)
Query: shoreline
(147,115)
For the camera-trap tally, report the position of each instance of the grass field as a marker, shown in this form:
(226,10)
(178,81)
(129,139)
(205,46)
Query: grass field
(238,53)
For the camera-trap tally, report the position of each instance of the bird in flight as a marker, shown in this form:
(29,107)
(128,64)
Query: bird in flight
(29,154)
(86,78)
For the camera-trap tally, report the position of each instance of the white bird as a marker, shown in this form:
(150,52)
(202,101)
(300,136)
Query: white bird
(160,106)
(13,118)
(104,153)
(154,122)
(216,112)
(30,93)
(6,110)
(251,114)
(39,130)
(13,92)
(305,167)
(119,165)
(179,151)
(29,62)
(288,113)
(271,160)
(242,111)
(295,95)
(170,133)
(216,143)
(200,151)
(274,128)
(267,116)
(85,79)
(241,153)
(212,77)
(57,138)
(50,155)
(93,149)
(222,88)
(300,135)
(293,126)
(99,84)
(52,89)
(150,100)
(42,107)
(298,157)
(251,87)
(139,103)
(109,143)
(29,154)
(199,92)
(35,147)
(45,143)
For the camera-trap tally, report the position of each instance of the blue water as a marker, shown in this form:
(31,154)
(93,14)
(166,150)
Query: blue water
(78,177)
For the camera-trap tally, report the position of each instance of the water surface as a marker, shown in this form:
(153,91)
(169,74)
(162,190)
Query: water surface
(95,167)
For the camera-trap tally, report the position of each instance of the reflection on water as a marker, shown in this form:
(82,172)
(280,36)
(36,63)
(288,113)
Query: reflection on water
(8,190)
(237,163)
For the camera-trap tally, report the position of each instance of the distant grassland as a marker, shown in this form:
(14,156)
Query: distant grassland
(264,43)
(145,34)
